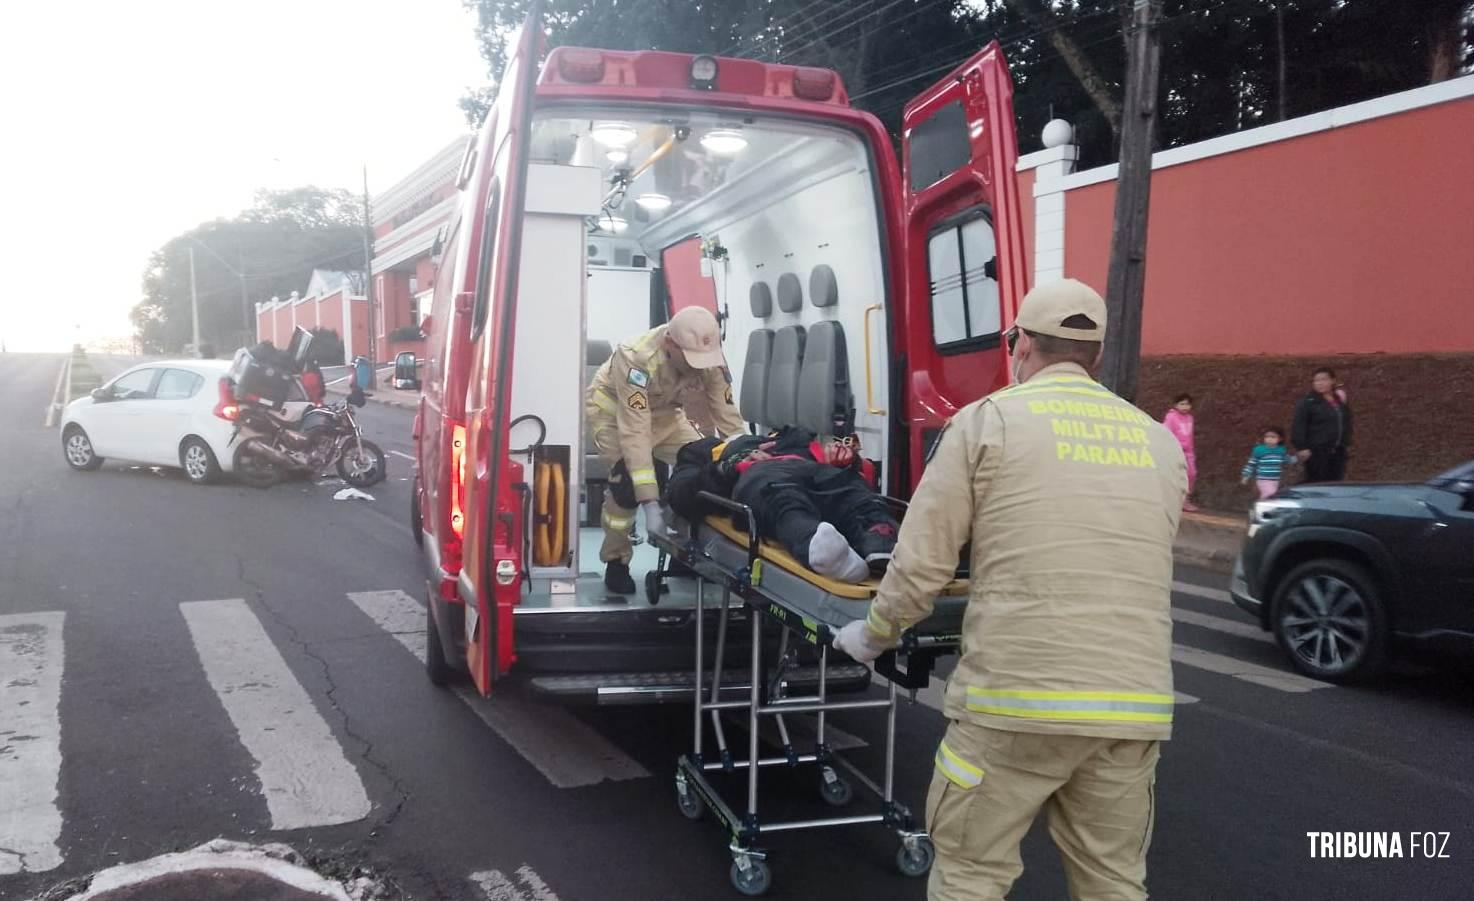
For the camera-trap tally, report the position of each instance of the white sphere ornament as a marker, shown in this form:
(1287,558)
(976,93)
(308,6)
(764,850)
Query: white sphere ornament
(1057,133)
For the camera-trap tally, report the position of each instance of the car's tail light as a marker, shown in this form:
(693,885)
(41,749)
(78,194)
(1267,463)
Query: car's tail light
(457,485)
(226,407)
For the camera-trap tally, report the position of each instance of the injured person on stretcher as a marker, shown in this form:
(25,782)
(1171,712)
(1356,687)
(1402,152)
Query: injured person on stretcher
(816,498)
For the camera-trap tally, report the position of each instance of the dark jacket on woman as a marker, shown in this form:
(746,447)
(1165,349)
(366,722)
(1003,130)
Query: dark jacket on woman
(1318,424)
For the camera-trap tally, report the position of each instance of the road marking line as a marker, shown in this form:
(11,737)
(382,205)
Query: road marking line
(304,775)
(1201,591)
(408,457)
(58,403)
(1219,624)
(1248,672)
(562,747)
(497,887)
(31,657)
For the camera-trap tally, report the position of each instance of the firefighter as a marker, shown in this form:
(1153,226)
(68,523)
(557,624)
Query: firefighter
(1071,498)
(635,415)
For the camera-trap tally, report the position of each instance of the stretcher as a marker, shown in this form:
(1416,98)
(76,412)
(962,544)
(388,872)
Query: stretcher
(809,609)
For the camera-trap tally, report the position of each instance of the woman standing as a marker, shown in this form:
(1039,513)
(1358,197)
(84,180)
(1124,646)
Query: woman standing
(1321,430)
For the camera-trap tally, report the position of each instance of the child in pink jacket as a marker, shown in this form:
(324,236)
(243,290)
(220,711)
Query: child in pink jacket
(1179,420)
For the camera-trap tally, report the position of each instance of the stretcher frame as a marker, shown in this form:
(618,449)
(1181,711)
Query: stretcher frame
(908,667)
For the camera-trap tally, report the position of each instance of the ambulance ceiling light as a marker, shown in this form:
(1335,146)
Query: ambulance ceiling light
(653,202)
(614,134)
(618,157)
(724,141)
(612,224)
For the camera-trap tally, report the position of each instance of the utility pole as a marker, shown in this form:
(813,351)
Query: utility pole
(1126,281)
(368,277)
(194,304)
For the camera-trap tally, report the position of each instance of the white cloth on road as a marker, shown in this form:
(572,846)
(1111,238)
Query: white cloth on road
(349,494)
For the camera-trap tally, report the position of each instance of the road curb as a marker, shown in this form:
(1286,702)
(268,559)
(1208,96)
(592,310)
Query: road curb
(1209,541)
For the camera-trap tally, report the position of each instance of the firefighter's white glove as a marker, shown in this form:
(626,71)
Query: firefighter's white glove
(655,519)
(855,639)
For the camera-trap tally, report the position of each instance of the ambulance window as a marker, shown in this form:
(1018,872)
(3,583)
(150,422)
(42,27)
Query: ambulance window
(939,146)
(483,271)
(965,311)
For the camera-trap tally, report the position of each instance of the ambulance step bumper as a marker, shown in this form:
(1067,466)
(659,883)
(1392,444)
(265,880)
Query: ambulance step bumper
(609,689)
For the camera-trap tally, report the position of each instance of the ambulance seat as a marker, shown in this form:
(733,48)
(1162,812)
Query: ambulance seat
(783,376)
(824,395)
(753,401)
(594,469)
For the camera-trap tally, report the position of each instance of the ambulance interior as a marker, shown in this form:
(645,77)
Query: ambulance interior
(633,213)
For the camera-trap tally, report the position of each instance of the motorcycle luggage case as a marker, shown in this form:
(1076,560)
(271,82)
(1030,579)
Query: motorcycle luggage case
(270,381)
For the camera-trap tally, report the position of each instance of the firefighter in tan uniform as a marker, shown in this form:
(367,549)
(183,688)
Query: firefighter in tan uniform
(635,416)
(1071,498)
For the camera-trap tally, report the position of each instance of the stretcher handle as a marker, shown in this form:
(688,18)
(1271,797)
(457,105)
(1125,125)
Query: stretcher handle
(744,510)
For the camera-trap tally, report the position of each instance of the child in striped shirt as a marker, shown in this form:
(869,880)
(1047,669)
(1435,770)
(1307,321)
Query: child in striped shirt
(1267,462)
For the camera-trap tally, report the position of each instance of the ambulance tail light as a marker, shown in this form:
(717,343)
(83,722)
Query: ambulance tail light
(457,485)
(813,84)
(225,407)
(581,66)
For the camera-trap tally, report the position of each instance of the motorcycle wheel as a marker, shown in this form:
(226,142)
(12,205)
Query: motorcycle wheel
(254,469)
(362,464)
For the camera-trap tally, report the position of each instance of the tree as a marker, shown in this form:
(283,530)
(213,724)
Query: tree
(275,245)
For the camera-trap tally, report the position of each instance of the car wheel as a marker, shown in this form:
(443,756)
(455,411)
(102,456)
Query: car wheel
(198,461)
(1328,616)
(78,449)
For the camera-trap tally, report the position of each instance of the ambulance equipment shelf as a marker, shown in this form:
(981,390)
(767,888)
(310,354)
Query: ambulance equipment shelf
(775,588)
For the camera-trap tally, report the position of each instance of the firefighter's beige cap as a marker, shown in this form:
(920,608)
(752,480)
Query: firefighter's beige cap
(696,333)
(1046,308)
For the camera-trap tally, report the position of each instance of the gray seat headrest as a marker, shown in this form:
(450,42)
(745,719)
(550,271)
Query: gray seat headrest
(790,293)
(761,298)
(823,289)
(597,352)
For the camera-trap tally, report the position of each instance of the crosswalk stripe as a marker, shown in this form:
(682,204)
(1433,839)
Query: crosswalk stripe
(1182,697)
(566,751)
(1248,672)
(528,886)
(1201,591)
(30,741)
(304,775)
(1219,624)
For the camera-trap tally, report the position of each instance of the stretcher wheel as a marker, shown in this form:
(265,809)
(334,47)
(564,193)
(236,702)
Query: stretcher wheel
(835,790)
(916,860)
(753,879)
(690,805)
(654,587)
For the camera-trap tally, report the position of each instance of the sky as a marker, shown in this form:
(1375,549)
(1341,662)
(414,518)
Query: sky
(125,124)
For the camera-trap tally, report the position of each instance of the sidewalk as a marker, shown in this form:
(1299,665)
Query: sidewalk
(1210,540)
(389,397)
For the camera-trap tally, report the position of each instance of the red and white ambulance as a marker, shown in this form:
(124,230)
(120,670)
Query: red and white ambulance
(608,189)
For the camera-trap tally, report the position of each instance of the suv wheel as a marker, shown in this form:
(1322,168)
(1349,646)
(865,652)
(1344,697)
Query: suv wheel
(1328,617)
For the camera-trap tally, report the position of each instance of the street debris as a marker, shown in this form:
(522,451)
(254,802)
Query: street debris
(349,494)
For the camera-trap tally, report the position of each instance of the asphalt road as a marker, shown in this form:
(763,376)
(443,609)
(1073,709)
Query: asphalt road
(160,746)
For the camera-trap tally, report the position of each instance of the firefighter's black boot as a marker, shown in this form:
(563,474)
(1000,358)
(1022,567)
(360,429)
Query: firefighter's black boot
(617,578)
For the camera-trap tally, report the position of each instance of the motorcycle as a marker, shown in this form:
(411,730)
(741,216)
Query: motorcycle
(274,447)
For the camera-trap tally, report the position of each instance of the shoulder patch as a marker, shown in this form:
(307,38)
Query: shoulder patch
(637,401)
(639,377)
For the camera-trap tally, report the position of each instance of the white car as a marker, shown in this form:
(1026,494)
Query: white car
(177,413)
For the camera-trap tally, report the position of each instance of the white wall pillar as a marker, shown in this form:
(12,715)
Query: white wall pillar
(1051,165)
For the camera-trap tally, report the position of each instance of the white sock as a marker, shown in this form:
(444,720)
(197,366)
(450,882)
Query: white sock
(830,555)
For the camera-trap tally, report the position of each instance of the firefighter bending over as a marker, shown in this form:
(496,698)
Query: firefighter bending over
(1071,498)
(634,413)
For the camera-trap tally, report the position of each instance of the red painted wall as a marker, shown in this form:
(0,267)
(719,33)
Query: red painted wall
(1351,240)
(330,312)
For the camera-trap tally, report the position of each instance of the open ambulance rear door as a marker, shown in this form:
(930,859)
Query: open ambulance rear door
(965,267)
(490,580)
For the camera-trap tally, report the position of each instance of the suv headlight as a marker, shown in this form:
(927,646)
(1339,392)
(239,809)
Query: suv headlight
(1267,510)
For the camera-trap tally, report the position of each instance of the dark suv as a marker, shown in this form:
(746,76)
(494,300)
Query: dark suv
(1344,574)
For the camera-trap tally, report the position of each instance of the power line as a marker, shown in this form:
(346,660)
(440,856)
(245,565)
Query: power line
(751,42)
(813,31)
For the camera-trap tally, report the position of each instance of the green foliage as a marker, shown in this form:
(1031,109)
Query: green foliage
(327,347)
(276,244)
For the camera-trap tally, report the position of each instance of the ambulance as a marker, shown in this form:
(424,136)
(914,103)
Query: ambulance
(858,296)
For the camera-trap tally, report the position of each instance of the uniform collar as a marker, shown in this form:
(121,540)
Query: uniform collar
(1059,370)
